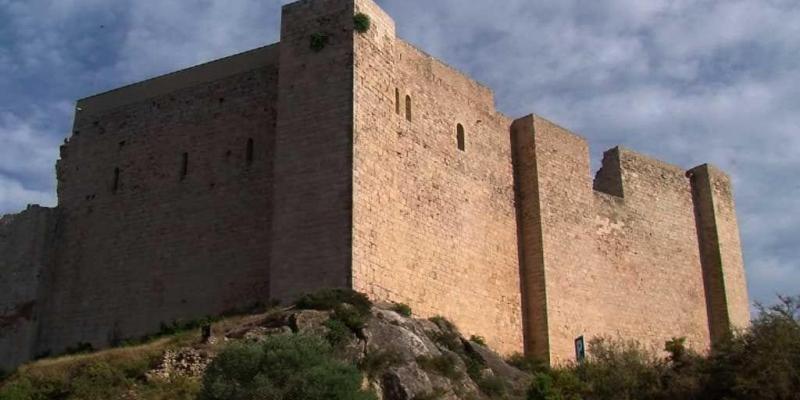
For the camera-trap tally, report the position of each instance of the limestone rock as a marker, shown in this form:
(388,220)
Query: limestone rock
(310,322)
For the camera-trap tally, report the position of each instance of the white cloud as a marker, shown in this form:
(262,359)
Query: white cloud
(14,197)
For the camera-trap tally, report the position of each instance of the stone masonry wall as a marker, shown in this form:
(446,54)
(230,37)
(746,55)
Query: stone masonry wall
(25,243)
(720,250)
(312,227)
(621,261)
(434,226)
(165,203)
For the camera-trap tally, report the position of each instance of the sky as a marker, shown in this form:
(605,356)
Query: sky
(687,81)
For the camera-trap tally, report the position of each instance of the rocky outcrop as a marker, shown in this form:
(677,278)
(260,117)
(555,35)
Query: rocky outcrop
(403,358)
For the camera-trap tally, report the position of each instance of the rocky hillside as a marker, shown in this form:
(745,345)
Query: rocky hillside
(399,357)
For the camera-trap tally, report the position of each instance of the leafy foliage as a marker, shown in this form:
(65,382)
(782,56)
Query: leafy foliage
(283,367)
(443,365)
(402,309)
(375,362)
(318,41)
(478,339)
(528,364)
(349,307)
(361,22)
(760,363)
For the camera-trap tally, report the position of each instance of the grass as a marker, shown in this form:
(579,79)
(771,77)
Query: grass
(115,373)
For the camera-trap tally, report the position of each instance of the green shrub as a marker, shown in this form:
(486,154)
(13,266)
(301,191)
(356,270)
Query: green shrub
(331,298)
(448,335)
(443,365)
(319,41)
(376,362)
(478,339)
(361,22)
(338,332)
(402,309)
(348,306)
(528,364)
(283,367)
(619,369)
(556,385)
(764,361)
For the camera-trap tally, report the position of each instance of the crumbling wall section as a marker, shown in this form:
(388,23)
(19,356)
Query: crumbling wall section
(26,243)
(619,261)
(165,199)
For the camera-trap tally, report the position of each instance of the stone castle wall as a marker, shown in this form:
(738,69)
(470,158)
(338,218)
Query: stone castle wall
(366,164)
(25,243)
(165,193)
(618,257)
(434,225)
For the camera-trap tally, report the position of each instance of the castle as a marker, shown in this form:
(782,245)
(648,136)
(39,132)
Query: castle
(348,158)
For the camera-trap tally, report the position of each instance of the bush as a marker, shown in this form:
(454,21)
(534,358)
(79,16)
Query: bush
(361,22)
(402,309)
(528,364)
(348,306)
(331,298)
(338,332)
(621,370)
(556,385)
(319,41)
(283,367)
(478,339)
(378,361)
(442,365)
(761,363)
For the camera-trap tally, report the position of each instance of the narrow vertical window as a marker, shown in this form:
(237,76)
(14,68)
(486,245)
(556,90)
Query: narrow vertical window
(115,185)
(397,101)
(408,108)
(184,165)
(460,139)
(249,152)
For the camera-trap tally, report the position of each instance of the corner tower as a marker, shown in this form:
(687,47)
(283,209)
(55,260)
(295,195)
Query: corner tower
(313,201)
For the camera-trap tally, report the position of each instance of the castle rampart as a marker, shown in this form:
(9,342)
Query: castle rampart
(345,159)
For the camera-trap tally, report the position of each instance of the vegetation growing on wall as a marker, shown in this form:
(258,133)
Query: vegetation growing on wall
(361,22)
(319,40)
